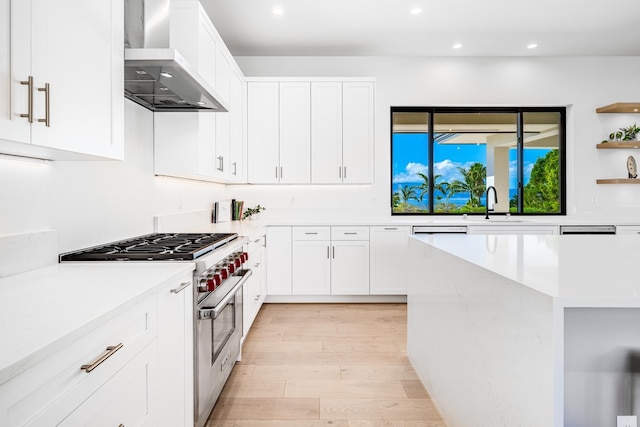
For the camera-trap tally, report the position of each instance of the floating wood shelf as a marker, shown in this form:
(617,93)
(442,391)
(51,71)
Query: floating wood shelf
(620,107)
(618,144)
(618,181)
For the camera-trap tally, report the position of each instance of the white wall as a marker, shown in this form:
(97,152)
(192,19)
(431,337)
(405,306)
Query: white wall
(581,83)
(91,203)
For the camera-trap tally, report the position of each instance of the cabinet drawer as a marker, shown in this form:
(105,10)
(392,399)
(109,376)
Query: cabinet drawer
(349,233)
(128,398)
(311,233)
(60,385)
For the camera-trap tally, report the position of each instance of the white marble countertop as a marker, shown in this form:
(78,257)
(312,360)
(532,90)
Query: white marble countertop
(576,270)
(43,310)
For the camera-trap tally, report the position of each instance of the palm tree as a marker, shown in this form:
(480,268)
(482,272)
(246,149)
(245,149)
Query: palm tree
(474,182)
(424,187)
(407,193)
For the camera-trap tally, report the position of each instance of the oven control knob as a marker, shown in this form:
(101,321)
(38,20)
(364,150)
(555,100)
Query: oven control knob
(244,257)
(224,273)
(231,267)
(217,280)
(237,262)
(203,285)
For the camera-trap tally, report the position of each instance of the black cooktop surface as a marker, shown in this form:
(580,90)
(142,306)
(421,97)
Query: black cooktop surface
(154,247)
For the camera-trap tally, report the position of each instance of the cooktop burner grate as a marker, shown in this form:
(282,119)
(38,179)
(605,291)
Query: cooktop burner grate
(153,247)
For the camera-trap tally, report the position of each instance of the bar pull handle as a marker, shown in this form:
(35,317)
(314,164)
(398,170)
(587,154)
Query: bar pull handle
(345,172)
(220,163)
(391,228)
(47,114)
(235,168)
(276,172)
(310,233)
(280,172)
(327,252)
(29,84)
(349,233)
(334,252)
(107,354)
(181,288)
(339,171)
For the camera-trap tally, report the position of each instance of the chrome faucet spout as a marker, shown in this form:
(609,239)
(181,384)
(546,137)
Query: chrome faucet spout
(495,200)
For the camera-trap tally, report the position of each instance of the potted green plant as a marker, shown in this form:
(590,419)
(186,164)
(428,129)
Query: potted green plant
(252,213)
(630,132)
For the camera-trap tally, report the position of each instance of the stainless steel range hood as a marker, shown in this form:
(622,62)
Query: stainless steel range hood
(156,76)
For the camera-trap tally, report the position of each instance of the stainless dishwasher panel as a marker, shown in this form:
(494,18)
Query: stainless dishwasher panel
(439,229)
(587,229)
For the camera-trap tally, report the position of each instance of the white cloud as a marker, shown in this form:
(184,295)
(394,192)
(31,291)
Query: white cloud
(411,173)
(448,170)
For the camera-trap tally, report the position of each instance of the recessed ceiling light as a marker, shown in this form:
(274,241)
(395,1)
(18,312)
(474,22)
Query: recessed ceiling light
(278,10)
(532,45)
(457,46)
(200,103)
(415,11)
(165,74)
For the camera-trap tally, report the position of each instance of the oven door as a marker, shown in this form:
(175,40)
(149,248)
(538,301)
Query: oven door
(218,334)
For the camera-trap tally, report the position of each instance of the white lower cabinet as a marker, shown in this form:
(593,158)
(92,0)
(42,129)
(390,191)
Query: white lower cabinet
(278,256)
(175,353)
(133,370)
(330,261)
(127,399)
(627,229)
(388,257)
(254,291)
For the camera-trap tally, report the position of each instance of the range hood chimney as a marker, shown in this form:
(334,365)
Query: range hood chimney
(156,76)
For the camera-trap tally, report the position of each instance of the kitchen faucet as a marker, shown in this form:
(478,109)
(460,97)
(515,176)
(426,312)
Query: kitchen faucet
(495,200)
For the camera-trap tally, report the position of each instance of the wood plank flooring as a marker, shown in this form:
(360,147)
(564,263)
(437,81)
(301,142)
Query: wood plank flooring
(326,365)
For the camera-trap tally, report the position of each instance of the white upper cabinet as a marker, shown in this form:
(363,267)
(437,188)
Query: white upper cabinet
(357,132)
(77,104)
(237,132)
(205,146)
(295,132)
(326,132)
(263,132)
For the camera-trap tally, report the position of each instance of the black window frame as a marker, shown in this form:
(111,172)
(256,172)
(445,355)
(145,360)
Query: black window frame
(562,134)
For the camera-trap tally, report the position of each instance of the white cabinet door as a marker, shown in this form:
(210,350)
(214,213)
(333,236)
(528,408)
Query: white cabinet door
(15,66)
(222,141)
(175,353)
(357,132)
(184,144)
(350,268)
(263,132)
(326,132)
(278,256)
(295,132)
(311,267)
(236,128)
(78,106)
(254,292)
(85,77)
(127,399)
(388,259)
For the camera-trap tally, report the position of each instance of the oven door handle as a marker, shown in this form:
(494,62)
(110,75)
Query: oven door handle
(212,313)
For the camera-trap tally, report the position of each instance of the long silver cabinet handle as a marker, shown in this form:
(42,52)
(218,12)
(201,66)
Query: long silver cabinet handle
(348,233)
(47,104)
(29,84)
(327,252)
(391,228)
(339,171)
(345,172)
(276,172)
(181,288)
(107,354)
(235,168)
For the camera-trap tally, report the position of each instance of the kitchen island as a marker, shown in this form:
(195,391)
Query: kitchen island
(526,330)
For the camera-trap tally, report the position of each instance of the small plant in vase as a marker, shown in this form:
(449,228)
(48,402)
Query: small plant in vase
(252,213)
(631,133)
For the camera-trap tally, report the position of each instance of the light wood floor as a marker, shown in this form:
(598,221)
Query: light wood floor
(337,365)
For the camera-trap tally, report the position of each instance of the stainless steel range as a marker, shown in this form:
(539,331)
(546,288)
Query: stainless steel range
(218,280)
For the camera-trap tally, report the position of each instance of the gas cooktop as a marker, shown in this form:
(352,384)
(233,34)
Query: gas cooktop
(154,247)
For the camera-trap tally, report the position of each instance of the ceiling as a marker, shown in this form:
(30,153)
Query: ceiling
(387,28)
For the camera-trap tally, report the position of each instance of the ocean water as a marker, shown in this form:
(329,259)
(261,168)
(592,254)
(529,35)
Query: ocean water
(458,199)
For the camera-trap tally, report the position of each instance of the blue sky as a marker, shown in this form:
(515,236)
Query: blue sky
(410,158)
